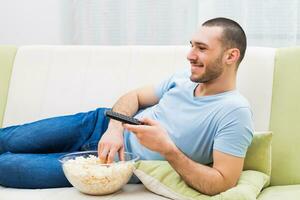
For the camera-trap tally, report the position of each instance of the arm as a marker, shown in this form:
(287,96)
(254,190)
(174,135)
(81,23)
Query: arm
(221,176)
(112,140)
(132,101)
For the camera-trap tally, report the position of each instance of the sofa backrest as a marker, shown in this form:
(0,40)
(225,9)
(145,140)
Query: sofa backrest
(285,118)
(56,80)
(7,56)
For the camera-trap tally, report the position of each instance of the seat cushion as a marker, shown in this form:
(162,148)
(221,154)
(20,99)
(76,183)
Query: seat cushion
(128,192)
(289,192)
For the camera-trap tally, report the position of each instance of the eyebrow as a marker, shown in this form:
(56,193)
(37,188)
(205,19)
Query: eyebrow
(198,43)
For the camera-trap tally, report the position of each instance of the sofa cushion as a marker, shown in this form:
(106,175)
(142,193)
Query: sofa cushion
(284,121)
(160,178)
(258,155)
(7,56)
(128,192)
(289,192)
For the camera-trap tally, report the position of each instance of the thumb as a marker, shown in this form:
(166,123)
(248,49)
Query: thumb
(148,121)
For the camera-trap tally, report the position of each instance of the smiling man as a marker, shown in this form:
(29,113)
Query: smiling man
(196,120)
(200,117)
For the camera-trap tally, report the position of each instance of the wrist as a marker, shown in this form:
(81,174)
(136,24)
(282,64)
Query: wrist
(169,151)
(115,127)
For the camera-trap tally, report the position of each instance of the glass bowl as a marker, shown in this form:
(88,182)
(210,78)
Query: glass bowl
(86,173)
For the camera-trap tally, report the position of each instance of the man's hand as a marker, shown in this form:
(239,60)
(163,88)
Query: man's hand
(111,142)
(152,135)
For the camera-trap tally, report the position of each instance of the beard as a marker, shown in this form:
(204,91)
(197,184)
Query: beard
(212,71)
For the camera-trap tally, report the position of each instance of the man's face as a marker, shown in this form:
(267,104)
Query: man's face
(206,55)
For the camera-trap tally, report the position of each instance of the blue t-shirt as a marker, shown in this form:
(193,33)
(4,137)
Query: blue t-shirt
(197,125)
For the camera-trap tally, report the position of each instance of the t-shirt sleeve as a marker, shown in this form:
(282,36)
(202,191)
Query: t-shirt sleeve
(235,132)
(168,83)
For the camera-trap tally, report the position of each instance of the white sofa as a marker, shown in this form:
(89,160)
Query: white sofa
(57,80)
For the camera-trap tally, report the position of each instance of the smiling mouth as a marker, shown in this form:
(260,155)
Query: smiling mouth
(193,65)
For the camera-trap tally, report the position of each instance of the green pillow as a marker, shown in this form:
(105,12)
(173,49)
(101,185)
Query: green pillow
(160,178)
(258,155)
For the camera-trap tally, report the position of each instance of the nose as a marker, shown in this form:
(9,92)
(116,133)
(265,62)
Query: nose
(191,56)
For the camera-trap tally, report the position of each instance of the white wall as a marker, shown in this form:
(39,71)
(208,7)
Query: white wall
(96,22)
(266,23)
(27,22)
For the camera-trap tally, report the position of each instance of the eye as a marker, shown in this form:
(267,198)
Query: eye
(199,47)
(191,44)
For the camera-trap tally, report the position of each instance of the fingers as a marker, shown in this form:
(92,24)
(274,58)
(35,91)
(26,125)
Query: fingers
(109,144)
(111,155)
(130,127)
(107,154)
(100,150)
(148,121)
(103,154)
(122,154)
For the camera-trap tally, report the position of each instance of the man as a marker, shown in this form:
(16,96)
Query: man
(196,120)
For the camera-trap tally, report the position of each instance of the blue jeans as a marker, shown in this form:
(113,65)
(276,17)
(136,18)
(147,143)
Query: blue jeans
(29,153)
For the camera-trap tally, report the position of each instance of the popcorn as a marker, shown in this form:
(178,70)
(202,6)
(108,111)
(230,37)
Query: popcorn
(90,176)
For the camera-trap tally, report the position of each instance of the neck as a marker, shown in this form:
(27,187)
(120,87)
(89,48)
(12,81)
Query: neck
(219,85)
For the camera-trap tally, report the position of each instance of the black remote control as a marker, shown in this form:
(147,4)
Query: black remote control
(122,118)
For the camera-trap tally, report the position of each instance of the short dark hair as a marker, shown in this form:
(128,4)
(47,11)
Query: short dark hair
(233,34)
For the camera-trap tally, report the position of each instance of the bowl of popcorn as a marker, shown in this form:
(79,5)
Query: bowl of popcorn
(85,171)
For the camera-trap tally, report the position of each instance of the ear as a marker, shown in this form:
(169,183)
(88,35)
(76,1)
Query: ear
(232,56)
